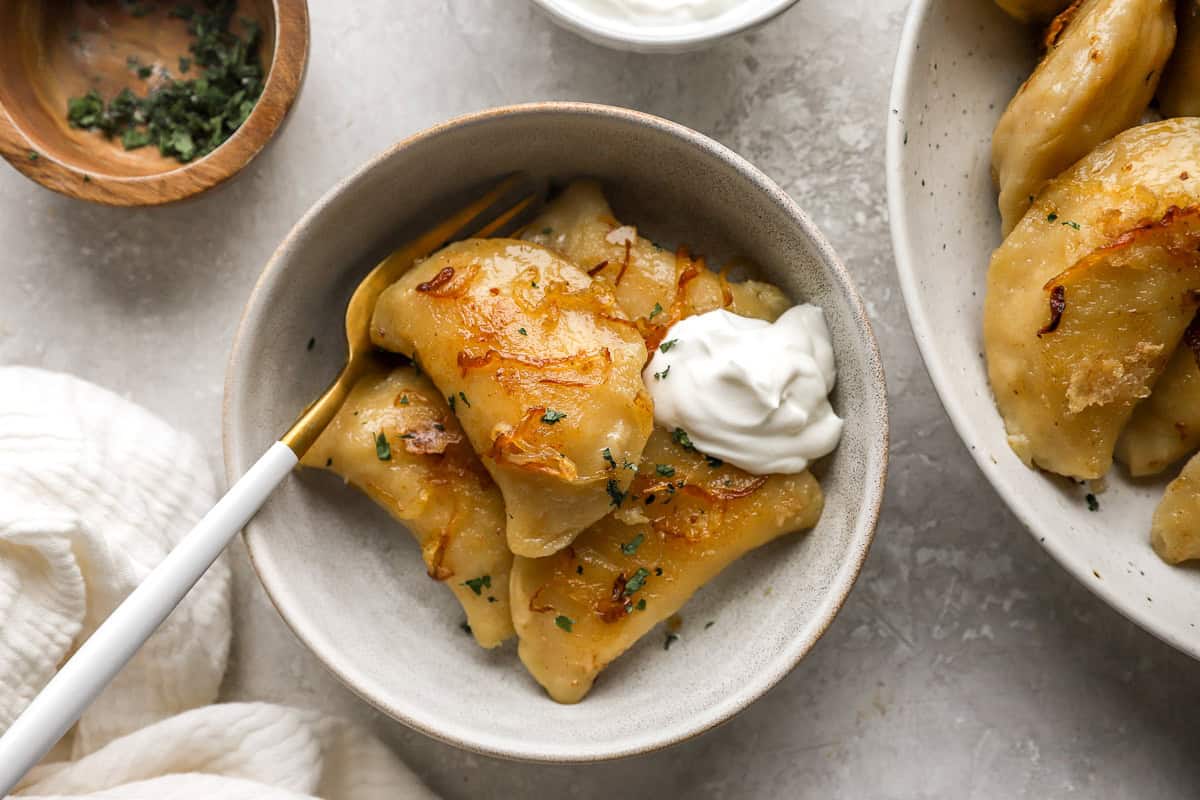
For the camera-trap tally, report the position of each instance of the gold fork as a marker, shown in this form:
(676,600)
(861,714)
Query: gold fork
(97,661)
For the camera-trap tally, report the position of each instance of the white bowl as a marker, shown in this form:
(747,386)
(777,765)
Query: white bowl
(350,581)
(960,63)
(667,38)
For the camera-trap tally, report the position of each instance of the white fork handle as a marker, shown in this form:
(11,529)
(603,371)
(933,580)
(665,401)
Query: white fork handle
(101,657)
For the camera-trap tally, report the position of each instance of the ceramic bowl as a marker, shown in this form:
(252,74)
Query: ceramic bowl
(666,38)
(960,64)
(351,583)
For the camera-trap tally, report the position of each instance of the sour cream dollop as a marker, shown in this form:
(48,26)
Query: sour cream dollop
(750,392)
(649,12)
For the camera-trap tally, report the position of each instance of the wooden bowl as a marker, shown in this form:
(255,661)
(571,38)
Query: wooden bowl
(51,50)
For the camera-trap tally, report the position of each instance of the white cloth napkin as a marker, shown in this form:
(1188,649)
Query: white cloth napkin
(94,491)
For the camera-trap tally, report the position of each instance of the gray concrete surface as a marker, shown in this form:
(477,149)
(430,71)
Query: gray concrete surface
(966,663)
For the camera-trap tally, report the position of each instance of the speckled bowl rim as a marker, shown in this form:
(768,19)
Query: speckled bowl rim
(944,381)
(652,40)
(841,583)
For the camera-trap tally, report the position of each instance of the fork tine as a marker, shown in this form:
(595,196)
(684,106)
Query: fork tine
(500,222)
(401,259)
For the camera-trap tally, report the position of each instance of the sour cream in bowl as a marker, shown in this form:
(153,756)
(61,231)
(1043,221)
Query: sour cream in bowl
(660,25)
(747,391)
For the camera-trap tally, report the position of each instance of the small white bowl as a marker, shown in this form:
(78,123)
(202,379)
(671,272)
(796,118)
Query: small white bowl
(960,63)
(666,38)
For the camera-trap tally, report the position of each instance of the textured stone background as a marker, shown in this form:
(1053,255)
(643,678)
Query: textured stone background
(966,663)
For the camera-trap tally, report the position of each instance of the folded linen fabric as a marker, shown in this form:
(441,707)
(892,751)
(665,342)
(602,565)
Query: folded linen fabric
(94,491)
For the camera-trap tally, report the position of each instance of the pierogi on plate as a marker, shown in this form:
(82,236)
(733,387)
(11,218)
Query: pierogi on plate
(1092,312)
(520,446)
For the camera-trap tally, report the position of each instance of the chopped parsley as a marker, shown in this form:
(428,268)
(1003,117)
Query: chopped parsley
(382,449)
(658,376)
(551,416)
(491,599)
(666,470)
(185,119)
(463,397)
(403,399)
(667,345)
(641,604)
(709,624)
(1051,217)
(658,309)
(682,439)
(670,640)
(312,342)
(615,493)
(579,569)
(636,581)
(658,571)
(1092,503)
(34,155)
(1070,224)
(715,463)
(465,628)
(477,585)
(185,63)
(630,547)
(522,331)
(547,231)
(612,462)
(452,401)
(564,622)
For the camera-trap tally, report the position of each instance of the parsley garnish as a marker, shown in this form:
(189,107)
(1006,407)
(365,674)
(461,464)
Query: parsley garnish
(641,604)
(630,547)
(579,569)
(465,628)
(382,449)
(185,119)
(547,231)
(614,492)
(452,401)
(670,640)
(658,571)
(404,400)
(34,155)
(463,397)
(564,622)
(667,345)
(655,311)
(666,470)
(1070,224)
(658,376)
(185,63)
(551,416)
(682,439)
(714,462)
(612,462)
(477,585)
(312,342)
(1093,503)
(1051,217)
(636,581)
(709,624)
(522,331)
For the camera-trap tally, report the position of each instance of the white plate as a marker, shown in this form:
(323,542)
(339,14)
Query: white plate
(960,63)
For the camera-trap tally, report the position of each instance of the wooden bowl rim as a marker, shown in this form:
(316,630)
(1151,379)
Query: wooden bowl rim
(284,77)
